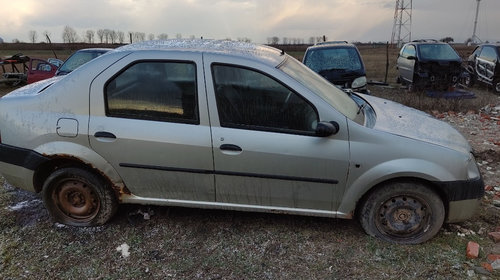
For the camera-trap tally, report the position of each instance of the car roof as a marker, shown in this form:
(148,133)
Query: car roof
(331,44)
(95,50)
(261,53)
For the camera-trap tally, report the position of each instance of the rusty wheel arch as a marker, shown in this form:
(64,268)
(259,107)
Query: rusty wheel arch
(65,161)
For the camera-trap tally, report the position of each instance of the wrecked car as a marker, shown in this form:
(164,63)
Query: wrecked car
(338,62)
(428,64)
(235,126)
(483,65)
(79,58)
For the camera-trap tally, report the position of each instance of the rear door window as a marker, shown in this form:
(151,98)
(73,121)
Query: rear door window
(154,90)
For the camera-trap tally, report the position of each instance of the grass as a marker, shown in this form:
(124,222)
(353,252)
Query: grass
(180,243)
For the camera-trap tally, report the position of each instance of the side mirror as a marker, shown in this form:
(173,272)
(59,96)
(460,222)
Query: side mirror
(325,129)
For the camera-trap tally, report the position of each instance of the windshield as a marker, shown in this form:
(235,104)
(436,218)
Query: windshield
(317,84)
(345,58)
(77,59)
(438,52)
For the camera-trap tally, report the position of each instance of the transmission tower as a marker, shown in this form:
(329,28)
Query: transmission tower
(401,30)
(474,37)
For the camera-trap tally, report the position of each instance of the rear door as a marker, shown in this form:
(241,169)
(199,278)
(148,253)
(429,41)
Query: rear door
(149,119)
(265,150)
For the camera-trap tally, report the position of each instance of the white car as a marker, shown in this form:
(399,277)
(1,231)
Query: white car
(227,125)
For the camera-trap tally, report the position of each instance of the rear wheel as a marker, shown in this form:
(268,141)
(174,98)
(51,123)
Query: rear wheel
(78,197)
(402,212)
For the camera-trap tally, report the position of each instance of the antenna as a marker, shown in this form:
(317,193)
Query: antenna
(401,30)
(474,36)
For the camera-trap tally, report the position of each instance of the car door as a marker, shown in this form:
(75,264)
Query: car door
(406,63)
(149,119)
(265,150)
(40,70)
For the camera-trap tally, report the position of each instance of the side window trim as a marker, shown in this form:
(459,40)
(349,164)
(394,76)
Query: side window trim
(195,120)
(257,127)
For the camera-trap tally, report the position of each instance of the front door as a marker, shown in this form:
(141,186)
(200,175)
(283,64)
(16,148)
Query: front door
(265,150)
(149,120)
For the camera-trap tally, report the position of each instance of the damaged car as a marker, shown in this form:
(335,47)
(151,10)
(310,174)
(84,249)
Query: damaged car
(339,62)
(483,65)
(234,126)
(429,64)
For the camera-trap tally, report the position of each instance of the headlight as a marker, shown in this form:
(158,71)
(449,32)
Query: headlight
(359,82)
(472,170)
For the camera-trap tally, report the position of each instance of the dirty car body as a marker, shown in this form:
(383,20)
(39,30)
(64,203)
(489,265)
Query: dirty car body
(429,65)
(220,124)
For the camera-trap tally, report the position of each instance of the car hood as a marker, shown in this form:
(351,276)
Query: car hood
(404,121)
(34,88)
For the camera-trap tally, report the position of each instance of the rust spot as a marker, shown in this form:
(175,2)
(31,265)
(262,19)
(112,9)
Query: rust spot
(120,189)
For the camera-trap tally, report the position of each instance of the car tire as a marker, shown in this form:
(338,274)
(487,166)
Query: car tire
(496,86)
(78,197)
(402,213)
(469,80)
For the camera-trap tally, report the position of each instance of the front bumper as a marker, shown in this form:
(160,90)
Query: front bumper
(463,198)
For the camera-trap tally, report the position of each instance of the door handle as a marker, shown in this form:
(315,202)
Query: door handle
(230,147)
(104,134)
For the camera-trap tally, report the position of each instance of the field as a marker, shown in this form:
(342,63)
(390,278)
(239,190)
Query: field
(179,243)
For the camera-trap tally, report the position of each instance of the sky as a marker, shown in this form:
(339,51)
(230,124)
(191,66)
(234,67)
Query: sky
(258,20)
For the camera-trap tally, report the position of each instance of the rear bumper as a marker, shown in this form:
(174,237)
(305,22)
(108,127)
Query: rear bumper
(18,165)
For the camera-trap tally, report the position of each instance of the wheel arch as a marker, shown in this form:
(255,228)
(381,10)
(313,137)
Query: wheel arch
(62,155)
(416,180)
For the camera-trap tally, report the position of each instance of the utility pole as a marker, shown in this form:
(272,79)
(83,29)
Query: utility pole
(474,36)
(401,30)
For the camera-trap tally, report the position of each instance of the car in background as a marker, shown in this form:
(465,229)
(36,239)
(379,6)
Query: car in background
(483,65)
(429,64)
(232,125)
(79,58)
(339,62)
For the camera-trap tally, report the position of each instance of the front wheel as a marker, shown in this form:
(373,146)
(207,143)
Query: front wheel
(402,212)
(77,197)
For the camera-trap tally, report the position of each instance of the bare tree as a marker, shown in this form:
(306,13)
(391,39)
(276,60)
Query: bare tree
(89,35)
(100,34)
(121,37)
(151,36)
(69,35)
(139,36)
(163,36)
(33,36)
(113,35)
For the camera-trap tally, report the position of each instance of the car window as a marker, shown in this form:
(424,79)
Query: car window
(249,99)
(78,59)
(338,58)
(437,52)
(408,51)
(153,90)
(489,54)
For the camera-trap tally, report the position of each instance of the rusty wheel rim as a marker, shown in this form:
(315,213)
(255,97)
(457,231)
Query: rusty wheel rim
(77,200)
(404,216)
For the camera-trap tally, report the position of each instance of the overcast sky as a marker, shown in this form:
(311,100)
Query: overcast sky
(351,20)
